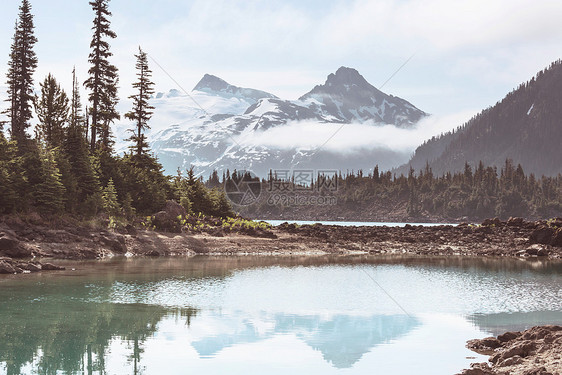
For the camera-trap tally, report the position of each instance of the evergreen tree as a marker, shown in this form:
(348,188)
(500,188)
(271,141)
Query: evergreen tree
(8,196)
(214,181)
(21,67)
(143,174)
(68,180)
(12,75)
(198,195)
(142,110)
(76,151)
(103,79)
(52,111)
(222,207)
(76,119)
(49,194)
(109,198)
(146,183)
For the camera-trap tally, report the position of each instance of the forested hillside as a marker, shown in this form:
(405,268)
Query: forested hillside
(473,194)
(526,127)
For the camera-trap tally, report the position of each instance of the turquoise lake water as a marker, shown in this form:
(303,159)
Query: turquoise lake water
(256,315)
(352,223)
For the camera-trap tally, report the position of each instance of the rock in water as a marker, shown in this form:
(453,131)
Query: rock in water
(51,267)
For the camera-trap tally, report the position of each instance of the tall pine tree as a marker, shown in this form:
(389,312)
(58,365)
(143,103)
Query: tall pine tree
(103,79)
(142,110)
(13,69)
(76,119)
(52,111)
(22,65)
(76,150)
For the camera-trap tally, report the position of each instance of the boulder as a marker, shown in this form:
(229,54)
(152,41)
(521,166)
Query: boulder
(515,360)
(168,219)
(12,247)
(115,243)
(7,241)
(478,369)
(152,253)
(51,267)
(6,268)
(557,238)
(534,249)
(492,222)
(540,332)
(165,222)
(485,345)
(508,336)
(543,252)
(515,222)
(31,267)
(543,235)
(521,349)
(174,209)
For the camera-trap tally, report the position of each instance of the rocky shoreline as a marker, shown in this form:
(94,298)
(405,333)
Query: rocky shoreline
(536,351)
(23,246)
(10,266)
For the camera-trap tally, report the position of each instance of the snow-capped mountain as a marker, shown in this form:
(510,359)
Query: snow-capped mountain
(347,96)
(216,126)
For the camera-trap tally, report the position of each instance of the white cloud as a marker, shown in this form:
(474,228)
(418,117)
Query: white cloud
(352,138)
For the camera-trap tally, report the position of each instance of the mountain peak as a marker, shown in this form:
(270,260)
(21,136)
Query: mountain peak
(345,75)
(214,85)
(347,96)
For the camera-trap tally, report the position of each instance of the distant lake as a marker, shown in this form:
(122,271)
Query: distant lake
(269,315)
(352,223)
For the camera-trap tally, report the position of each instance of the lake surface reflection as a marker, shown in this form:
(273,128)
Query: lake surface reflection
(315,315)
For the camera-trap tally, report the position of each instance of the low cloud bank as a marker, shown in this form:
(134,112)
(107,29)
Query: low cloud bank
(356,137)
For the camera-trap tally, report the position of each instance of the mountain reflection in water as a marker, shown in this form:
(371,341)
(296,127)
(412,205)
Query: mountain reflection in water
(310,315)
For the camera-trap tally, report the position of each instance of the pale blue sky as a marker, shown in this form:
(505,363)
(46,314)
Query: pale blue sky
(470,53)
